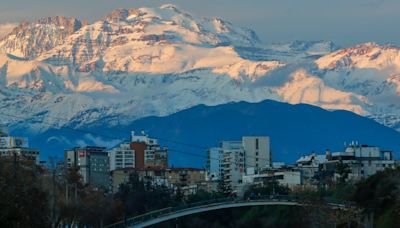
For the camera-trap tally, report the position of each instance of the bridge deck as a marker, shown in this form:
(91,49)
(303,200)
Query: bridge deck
(166,214)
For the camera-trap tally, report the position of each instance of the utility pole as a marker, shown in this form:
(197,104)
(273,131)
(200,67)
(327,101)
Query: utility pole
(15,165)
(66,194)
(54,198)
(76,194)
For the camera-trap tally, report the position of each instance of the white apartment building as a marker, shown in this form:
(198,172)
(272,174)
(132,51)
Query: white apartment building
(215,170)
(290,179)
(231,159)
(233,163)
(11,146)
(308,165)
(364,160)
(122,157)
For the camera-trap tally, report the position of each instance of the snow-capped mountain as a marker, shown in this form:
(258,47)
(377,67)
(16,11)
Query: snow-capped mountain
(369,70)
(6,28)
(156,61)
(29,40)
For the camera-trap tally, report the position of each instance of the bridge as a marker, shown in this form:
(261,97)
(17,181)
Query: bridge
(170,213)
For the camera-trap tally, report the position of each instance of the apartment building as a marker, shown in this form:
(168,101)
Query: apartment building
(122,156)
(230,161)
(17,147)
(93,165)
(148,153)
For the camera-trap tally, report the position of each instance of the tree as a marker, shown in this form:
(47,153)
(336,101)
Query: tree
(139,197)
(270,188)
(379,196)
(343,170)
(23,203)
(224,188)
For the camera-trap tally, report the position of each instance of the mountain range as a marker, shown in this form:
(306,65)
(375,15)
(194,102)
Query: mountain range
(295,130)
(134,63)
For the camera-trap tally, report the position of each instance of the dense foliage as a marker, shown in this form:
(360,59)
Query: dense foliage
(379,195)
(23,202)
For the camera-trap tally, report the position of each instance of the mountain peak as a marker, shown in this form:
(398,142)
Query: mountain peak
(366,55)
(30,39)
(120,14)
(171,7)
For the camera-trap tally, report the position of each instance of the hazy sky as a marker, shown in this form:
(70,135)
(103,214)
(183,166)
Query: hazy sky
(345,22)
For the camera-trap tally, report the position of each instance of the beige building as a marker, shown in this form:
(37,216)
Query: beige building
(187,179)
(154,176)
(258,152)
(185,176)
(11,146)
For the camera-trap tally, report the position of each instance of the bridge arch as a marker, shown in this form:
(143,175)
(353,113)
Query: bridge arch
(167,214)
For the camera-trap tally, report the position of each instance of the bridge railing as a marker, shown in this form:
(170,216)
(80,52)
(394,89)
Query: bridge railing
(155,214)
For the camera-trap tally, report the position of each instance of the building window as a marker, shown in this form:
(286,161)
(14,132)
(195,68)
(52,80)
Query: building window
(256,144)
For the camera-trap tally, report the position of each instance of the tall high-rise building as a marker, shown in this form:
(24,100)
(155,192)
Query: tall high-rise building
(93,165)
(148,153)
(226,163)
(231,160)
(122,156)
(215,170)
(258,152)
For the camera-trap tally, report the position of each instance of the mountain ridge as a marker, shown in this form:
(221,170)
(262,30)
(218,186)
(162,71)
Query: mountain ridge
(157,61)
(295,130)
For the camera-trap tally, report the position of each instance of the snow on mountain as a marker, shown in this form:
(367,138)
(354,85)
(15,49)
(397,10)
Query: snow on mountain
(135,63)
(28,40)
(370,70)
(308,89)
(162,40)
(6,28)
(307,47)
(368,55)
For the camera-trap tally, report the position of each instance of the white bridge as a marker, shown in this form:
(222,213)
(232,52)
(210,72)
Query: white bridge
(170,213)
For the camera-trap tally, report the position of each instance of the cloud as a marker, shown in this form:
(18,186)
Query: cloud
(5,29)
(90,140)
(60,139)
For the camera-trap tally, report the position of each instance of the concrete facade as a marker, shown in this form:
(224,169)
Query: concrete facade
(93,164)
(11,146)
(122,156)
(258,152)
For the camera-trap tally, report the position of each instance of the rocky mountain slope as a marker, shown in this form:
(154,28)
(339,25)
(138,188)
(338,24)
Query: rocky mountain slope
(135,63)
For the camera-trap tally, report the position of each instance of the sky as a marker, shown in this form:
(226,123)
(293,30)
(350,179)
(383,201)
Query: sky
(345,22)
